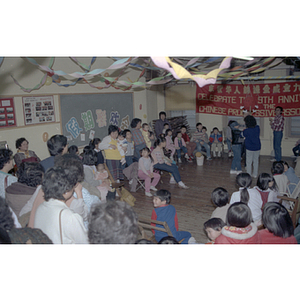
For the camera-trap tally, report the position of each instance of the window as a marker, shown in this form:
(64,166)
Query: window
(292,127)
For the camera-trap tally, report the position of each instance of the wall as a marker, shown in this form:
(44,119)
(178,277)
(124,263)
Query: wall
(29,76)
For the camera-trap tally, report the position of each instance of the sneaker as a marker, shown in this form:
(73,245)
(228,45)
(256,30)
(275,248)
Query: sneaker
(148,194)
(238,172)
(182,185)
(179,160)
(186,156)
(209,158)
(233,172)
(172,180)
(192,156)
(272,159)
(190,160)
(192,240)
(153,188)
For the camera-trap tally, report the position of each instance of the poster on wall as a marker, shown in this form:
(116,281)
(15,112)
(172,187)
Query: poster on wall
(231,99)
(7,113)
(38,110)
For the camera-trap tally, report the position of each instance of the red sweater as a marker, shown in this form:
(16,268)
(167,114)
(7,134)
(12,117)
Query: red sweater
(269,238)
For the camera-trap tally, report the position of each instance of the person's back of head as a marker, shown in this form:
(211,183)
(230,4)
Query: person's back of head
(168,240)
(57,181)
(277,167)
(213,227)
(89,157)
(30,173)
(163,195)
(263,181)
(277,220)
(144,242)
(159,140)
(5,157)
(94,142)
(56,144)
(73,149)
(220,196)
(250,121)
(74,164)
(244,181)
(239,215)
(113,222)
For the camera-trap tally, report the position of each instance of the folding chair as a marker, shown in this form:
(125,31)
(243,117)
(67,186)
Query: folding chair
(146,224)
(141,183)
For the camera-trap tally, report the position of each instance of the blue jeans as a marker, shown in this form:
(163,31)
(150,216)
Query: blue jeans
(183,148)
(171,169)
(277,144)
(206,146)
(236,162)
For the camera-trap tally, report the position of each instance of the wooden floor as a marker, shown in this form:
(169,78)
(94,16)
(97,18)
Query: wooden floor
(194,205)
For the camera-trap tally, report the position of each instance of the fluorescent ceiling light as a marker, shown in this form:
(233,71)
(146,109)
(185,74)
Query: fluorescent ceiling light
(244,57)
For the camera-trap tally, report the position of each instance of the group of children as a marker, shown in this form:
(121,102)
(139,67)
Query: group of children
(251,215)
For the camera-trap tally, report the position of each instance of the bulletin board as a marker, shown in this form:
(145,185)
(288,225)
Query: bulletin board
(7,113)
(85,116)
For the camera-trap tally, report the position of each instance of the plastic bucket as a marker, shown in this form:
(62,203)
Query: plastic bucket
(200,160)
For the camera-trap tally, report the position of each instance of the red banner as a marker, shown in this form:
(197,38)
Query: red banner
(261,99)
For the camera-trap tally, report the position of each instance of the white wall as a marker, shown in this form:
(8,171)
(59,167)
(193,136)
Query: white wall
(29,76)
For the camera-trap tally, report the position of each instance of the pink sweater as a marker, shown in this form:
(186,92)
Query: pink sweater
(176,142)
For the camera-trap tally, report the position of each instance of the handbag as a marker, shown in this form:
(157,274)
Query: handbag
(127,197)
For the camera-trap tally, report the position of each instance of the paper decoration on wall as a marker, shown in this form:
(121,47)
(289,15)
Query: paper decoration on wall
(92,135)
(125,123)
(88,120)
(114,118)
(101,117)
(73,127)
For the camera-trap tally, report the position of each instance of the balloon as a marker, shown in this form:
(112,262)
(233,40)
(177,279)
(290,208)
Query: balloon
(48,80)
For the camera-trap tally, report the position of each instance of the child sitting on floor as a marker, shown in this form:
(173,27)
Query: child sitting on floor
(181,145)
(146,171)
(239,229)
(165,212)
(213,228)
(216,141)
(169,143)
(220,198)
(102,175)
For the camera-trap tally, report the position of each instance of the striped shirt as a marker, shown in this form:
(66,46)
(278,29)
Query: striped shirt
(278,123)
(137,137)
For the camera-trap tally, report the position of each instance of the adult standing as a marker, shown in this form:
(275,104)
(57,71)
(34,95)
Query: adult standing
(137,137)
(23,153)
(112,154)
(159,124)
(252,144)
(277,125)
(237,140)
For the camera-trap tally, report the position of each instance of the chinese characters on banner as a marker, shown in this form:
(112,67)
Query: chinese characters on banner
(7,113)
(263,98)
(38,110)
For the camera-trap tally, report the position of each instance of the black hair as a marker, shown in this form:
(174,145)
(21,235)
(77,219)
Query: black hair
(159,140)
(177,132)
(4,237)
(162,113)
(134,122)
(285,163)
(244,181)
(20,141)
(220,196)
(280,107)
(5,157)
(214,223)
(112,128)
(148,150)
(144,241)
(113,222)
(277,220)
(168,130)
(263,180)
(89,157)
(163,195)
(230,122)
(183,126)
(239,215)
(145,124)
(30,173)
(74,164)
(198,124)
(203,127)
(94,142)
(124,132)
(214,129)
(56,182)
(6,219)
(250,121)
(151,133)
(168,240)
(56,144)
(166,124)
(73,149)
(277,167)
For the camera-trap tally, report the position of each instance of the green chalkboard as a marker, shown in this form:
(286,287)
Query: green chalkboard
(85,114)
